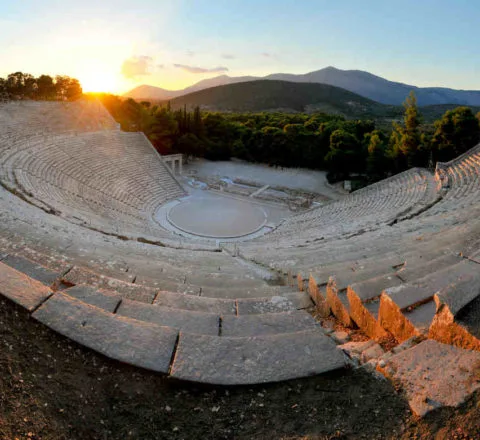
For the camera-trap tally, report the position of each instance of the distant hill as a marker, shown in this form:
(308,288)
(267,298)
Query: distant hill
(150,92)
(272,95)
(357,81)
(382,90)
(157,93)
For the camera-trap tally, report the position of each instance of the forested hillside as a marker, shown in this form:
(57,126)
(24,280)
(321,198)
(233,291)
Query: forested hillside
(344,147)
(269,95)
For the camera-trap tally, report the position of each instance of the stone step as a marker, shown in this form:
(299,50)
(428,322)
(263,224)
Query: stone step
(457,317)
(259,291)
(411,272)
(396,302)
(182,320)
(127,340)
(196,303)
(338,303)
(365,312)
(224,282)
(350,274)
(421,318)
(403,324)
(33,269)
(138,292)
(95,297)
(79,275)
(318,297)
(423,289)
(361,295)
(267,324)
(274,304)
(257,359)
(21,289)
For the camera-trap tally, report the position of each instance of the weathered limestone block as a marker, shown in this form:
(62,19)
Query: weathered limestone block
(79,275)
(408,310)
(321,304)
(405,324)
(268,324)
(456,321)
(338,306)
(184,320)
(274,304)
(127,340)
(433,375)
(365,316)
(261,359)
(196,303)
(32,269)
(300,282)
(21,289)
(101,299)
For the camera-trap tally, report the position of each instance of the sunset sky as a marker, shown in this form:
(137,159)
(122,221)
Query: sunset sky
(117,45)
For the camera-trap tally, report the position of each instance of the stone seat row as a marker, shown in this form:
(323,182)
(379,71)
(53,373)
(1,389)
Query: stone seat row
(128,203)
(126,174)
(442,210)
(243,349)
(82,115)
(408,244)
(144,282)
(430,294)
(368,210)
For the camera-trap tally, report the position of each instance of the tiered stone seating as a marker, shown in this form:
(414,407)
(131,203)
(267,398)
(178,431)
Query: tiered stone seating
(35,117)
(109,180)
(383,203)
(400,258)
(386,281)
(180,335)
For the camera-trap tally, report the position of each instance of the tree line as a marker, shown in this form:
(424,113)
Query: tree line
(21,85)
(345,148)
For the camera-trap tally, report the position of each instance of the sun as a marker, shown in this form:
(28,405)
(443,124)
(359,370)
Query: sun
(98,81)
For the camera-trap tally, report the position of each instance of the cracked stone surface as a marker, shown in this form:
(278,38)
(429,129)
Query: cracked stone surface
(262,359)
(433,375)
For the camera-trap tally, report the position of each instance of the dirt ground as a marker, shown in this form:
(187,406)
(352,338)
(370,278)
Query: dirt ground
(294,178)
(51,388)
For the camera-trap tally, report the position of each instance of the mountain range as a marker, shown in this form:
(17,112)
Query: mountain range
(362,83)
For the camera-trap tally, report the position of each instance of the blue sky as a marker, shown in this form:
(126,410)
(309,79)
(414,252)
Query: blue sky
(116,45)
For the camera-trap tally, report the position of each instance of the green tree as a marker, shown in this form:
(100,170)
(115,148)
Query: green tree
(73,90)
(377,162)
(189,145)
(456,132)
(163,130)
(45,87)
(345,155)
(406,139)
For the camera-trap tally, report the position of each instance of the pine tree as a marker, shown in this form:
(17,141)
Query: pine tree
(406,139)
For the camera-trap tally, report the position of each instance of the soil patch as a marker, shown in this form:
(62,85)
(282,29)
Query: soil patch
(50,388)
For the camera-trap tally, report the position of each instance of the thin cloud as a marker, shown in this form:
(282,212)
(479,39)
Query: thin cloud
(228,56)
(195,69)
(137,66)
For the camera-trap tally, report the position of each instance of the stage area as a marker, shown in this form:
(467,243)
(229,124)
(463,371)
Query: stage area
(217,217)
